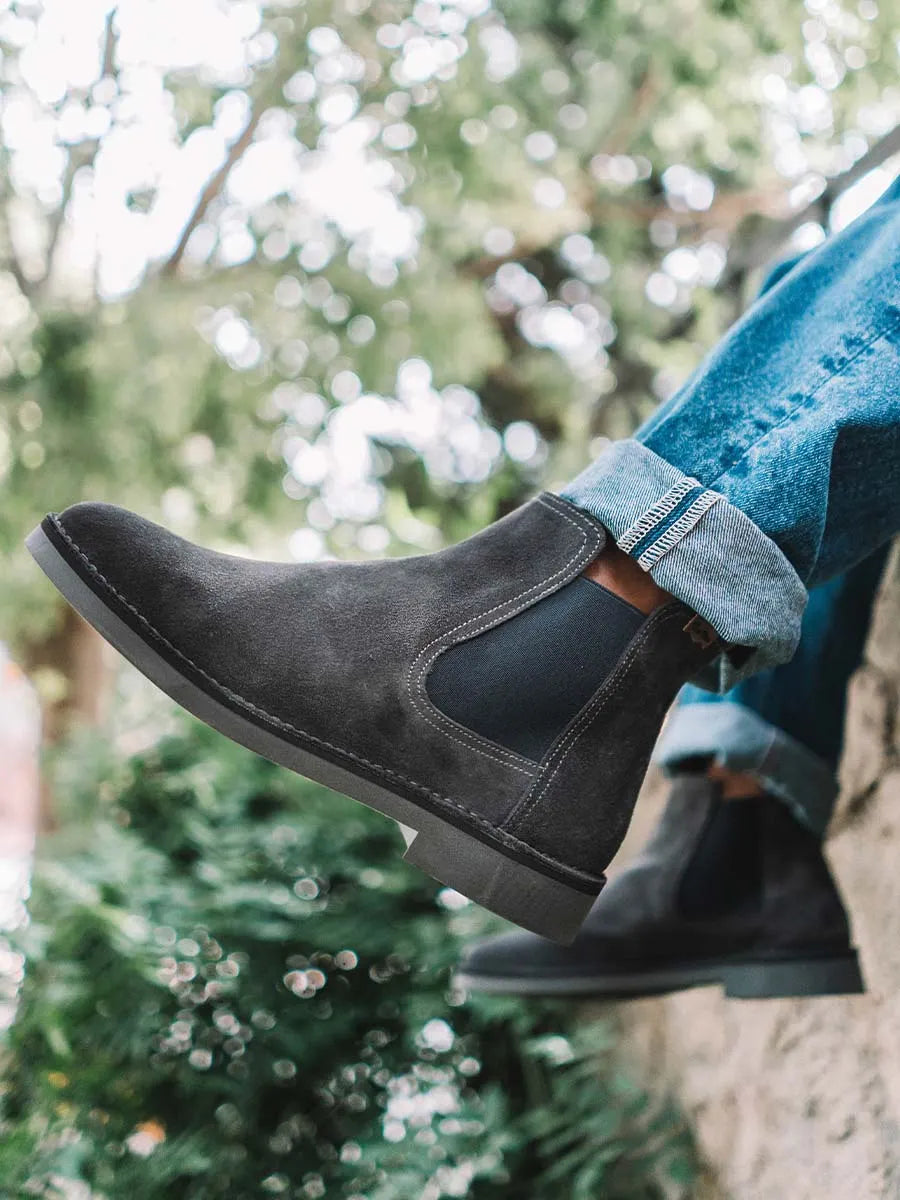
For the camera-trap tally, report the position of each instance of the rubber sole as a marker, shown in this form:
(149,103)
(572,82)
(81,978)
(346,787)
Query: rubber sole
(751,980)
(475,867)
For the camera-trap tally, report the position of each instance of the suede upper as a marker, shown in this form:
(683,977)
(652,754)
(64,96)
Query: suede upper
(335,656)
(639,919)
(610,742)
(796,905)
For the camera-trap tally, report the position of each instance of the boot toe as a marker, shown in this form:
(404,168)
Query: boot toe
(108,540)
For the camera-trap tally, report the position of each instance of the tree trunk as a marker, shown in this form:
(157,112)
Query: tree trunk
(73,677)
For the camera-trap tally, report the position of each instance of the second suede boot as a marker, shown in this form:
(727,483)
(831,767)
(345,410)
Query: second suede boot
(429,688)
(732,892)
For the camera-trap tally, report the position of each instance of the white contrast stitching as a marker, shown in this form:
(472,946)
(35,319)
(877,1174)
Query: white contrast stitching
(417,690)
(420,665)
(560,752)
(678,529)
(501,835)
(652,517)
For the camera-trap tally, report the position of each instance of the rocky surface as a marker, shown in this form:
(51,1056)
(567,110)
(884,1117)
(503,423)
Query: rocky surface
(800,1099)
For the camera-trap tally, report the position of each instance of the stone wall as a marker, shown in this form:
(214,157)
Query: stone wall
(800,1099)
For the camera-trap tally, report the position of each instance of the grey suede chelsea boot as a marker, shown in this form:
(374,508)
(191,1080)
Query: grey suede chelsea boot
(732,892)
(488,697)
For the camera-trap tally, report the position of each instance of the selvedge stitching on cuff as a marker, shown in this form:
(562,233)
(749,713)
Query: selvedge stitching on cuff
(678,529)
(664,524)
(657,513)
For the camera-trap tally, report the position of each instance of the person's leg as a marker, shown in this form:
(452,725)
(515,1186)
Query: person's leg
(395,681)
(742,877)
(784,727)
(777,466)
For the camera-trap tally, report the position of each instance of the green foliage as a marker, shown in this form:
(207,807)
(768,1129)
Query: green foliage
(235,987)
(500,133)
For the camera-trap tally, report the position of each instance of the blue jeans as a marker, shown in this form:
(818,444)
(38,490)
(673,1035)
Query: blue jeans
(785,726)
(776,467)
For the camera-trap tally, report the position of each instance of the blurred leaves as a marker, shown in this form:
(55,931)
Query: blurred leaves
(233,978)
(350,278)
(532,203)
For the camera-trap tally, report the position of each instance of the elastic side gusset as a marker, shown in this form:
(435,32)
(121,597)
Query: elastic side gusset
(520,683)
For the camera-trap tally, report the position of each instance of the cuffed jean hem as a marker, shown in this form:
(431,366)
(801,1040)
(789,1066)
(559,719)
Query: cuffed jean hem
(739,739)
(702,549)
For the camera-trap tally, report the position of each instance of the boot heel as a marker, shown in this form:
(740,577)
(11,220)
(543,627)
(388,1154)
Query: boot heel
(833,976)
(511,889)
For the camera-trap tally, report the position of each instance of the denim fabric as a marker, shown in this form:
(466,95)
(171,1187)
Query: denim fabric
(794,423)
(785,726)
(722,565)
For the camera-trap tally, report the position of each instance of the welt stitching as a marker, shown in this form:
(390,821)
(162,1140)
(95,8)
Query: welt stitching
(501,835)
(805,401)
(421,665)
(607,692)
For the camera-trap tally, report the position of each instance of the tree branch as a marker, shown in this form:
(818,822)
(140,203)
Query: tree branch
(765,245)
(728,211)
(885,148)
(12,264)
(639,107)
(9,258)
(214,185)
(110,42)
(83,155)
